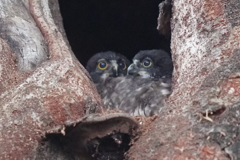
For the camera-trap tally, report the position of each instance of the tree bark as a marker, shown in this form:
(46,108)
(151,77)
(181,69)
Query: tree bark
(43,87)
(201,120)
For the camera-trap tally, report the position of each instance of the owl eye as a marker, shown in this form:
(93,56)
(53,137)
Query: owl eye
(147,63)
(122,65)
(102,65)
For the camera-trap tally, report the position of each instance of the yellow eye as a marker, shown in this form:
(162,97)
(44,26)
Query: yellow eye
(102,65)
(122,65)
(147,63)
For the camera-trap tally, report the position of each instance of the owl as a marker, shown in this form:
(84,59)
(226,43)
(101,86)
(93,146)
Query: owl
(108,64)
(151,64)
(143,90)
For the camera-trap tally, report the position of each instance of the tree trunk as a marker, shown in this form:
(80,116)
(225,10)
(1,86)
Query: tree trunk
(202,118)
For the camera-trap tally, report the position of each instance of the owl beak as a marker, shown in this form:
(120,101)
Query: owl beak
(115,69)
(132,70)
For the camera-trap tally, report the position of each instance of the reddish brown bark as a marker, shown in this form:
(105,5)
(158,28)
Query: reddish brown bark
(47,94)
(202,117)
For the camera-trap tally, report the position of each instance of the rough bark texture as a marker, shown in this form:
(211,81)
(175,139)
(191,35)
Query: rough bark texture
(42,85)
(201,120)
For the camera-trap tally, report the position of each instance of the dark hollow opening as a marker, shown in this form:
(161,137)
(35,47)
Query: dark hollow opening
(102,139)
(125,26)
(112,147)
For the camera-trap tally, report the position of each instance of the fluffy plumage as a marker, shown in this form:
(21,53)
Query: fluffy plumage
(143,91)
(107,64)
(134,95)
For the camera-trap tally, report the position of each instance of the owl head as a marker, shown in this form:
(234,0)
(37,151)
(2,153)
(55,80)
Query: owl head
(151,64)
(107,64)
